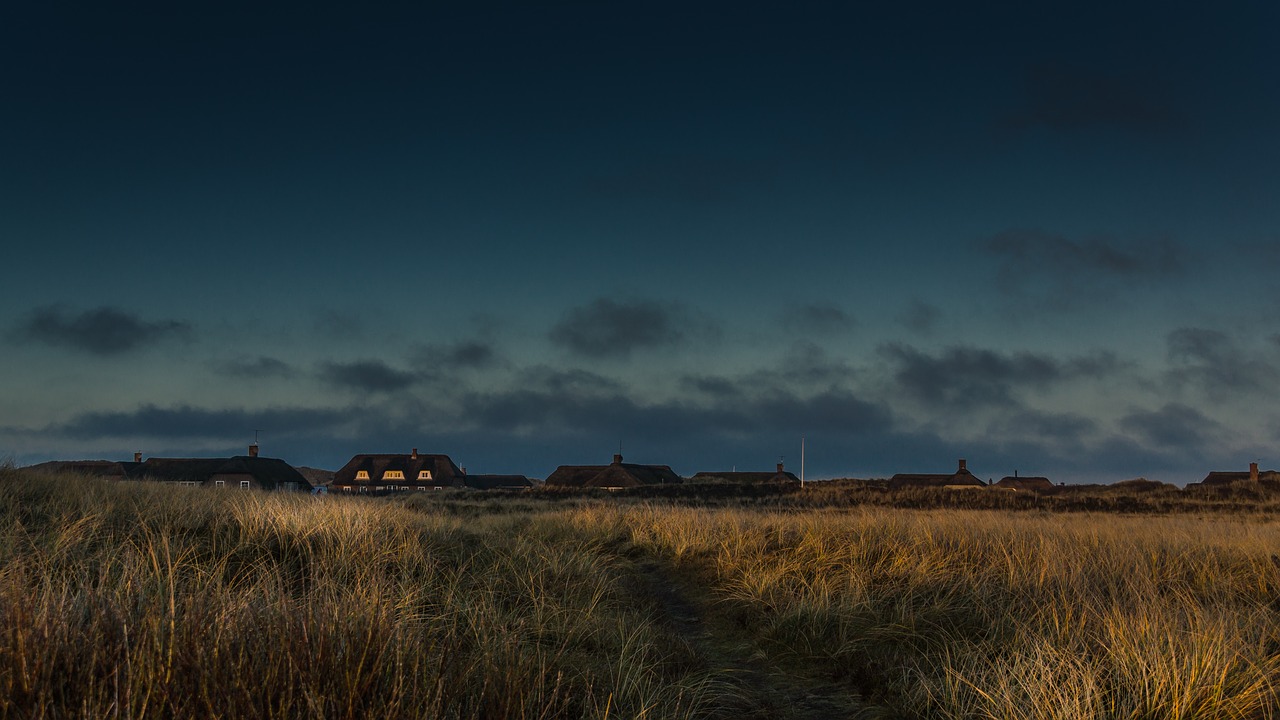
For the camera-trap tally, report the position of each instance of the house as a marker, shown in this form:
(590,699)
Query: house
(1253,475)
(961,478)
(747,478)
(1028,483)
(384,473)
(613,476)
(240,472)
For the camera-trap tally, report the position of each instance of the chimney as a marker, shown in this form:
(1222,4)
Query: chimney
(253,450)
(962,466)
(617,459)
(137,457)
(779,468)
(1253,472)
(414,455)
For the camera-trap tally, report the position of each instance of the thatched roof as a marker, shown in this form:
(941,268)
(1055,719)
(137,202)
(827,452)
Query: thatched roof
(1016,482)
(99,468)
(1229,477)
(442,468)
(961,477)
(746,478)
(615,475)
(268,473)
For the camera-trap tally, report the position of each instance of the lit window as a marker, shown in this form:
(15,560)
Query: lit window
(424,475)
(393,475)
(362,474)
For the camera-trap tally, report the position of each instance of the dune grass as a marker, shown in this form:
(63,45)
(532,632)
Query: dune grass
(144,600)
(951,614)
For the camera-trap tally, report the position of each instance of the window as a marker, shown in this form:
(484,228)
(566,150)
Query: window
(188,483)
(393,475)
(219,483)
(364,489)
(244,484)
(362,474)
(424,475)
(346,488)
(421,488)
(439,488)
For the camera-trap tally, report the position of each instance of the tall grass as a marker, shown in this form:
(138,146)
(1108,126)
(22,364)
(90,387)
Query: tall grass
(141,600)
(951,614)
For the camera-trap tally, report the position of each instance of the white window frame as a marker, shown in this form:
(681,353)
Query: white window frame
(244,484)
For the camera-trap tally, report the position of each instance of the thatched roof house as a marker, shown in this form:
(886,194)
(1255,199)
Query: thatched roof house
(1229,477)
(961,478)
(747,478)
(1029,483)
(242,471)
(389,472)
(613,476)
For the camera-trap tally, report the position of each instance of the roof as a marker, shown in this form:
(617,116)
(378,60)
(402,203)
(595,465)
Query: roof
(442,468)
(961,477)
(1226,478)
(100,468)
(615,475)
(269,473)
(1025,483)
(746,477)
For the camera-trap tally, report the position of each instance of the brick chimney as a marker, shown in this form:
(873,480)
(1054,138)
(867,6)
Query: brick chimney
(962,466)
(779,468)
(253,450)
(414,455)
(1253,472)
(617,459)
(137,457)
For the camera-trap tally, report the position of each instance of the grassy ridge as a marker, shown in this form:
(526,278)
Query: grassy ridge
(143,600)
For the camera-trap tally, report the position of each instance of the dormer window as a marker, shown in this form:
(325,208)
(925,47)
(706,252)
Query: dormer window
(362,474)
(424,475)
(393,475)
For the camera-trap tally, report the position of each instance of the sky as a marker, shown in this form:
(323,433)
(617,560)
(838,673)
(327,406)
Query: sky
(1038,236)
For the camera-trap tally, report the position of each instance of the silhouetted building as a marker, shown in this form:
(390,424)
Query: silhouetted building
(383,473)
(613,476)
(961,478)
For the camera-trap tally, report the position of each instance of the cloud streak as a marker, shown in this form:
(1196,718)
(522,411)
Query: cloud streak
(609,329)
(103,331)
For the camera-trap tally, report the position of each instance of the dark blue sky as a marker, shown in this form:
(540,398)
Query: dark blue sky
(1037,236)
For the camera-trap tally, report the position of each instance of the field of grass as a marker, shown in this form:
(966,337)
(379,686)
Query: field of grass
(140,600)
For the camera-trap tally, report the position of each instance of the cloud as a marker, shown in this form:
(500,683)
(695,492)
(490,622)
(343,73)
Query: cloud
(256,367)
(1214,363)
(466,355)
(818,319)
(966,378)
(1074,99)
(920,316)
(103,331)
(188,422)
(611,329)
(366,376)
(1174,427)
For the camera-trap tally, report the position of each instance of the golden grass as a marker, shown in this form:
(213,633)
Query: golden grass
(144,600)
